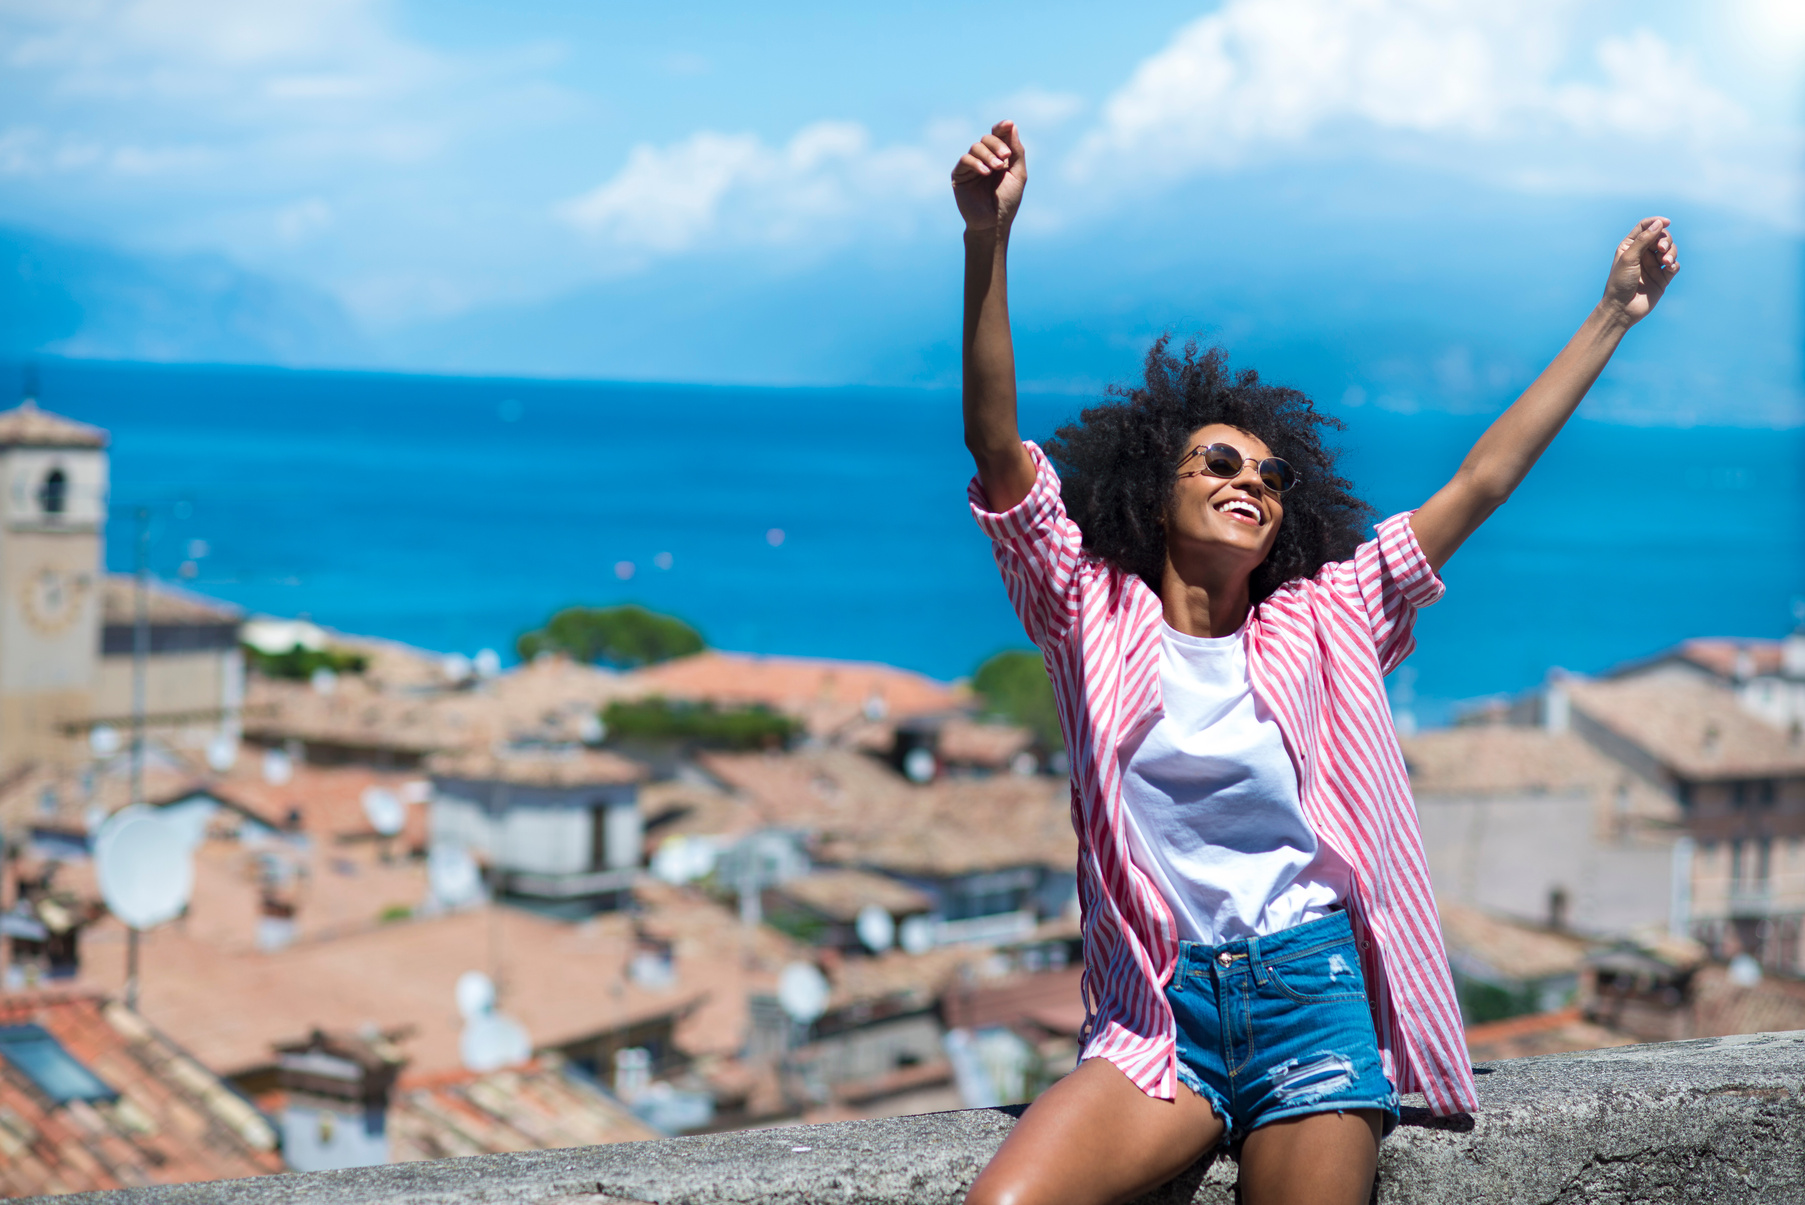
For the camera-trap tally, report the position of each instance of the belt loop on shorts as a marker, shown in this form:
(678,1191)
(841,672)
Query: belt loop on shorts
(1253,960)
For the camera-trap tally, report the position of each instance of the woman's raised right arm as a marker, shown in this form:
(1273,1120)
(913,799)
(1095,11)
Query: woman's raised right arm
(987,183)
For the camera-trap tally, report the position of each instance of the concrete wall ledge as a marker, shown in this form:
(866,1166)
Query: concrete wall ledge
(1719,1120)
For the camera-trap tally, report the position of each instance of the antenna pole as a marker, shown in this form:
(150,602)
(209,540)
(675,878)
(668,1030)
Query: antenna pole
(131,968)
(140,672)
(140,650)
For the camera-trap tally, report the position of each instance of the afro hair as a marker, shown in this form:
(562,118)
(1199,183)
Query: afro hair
(1118,464)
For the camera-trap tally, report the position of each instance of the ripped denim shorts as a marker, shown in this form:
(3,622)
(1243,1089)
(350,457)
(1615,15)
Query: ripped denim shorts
(1278,1026)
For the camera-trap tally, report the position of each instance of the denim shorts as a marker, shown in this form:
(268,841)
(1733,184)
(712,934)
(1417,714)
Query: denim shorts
(1279,1026)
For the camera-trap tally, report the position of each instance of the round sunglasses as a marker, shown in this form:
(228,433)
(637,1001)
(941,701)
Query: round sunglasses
(1223,460)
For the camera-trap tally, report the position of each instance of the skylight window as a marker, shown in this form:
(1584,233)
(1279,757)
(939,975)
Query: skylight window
(55,1072)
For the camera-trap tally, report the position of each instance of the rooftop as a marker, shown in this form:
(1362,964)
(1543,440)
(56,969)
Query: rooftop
(539,1106)
(826,695)
(864,814)
(27,426)
(1507,948)
(168,605)
(230,1005)
(841,894)
(1696,729)
(563,767)
(165,1119)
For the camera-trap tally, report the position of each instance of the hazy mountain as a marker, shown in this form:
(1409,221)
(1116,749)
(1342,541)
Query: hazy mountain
(94,302)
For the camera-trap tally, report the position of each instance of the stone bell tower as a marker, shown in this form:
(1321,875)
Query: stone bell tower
(53,510)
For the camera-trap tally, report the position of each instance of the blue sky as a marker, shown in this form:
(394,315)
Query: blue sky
(1398,201)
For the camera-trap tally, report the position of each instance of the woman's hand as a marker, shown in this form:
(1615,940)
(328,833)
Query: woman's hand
(989,178)
(1646,261)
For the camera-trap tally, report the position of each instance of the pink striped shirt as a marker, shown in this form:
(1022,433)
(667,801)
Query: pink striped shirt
(1317,651)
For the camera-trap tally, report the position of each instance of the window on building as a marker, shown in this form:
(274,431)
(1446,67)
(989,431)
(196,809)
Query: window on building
(1736,861)
(55,1072)
(1764,859)
(53,495)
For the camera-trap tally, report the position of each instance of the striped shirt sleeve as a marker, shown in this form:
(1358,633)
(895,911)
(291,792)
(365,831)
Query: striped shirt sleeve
(1388,578)
(1039,550)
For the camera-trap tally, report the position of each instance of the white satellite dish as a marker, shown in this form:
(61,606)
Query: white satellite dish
(452,876)
(384,810)
(916,935)
(278,768)
(103,740)
(456,667)
(222,752)
(476,995)
(919,765)
(146,871)
(876,928)
(416,790)
(486,663)
(492,1041)
(802,991)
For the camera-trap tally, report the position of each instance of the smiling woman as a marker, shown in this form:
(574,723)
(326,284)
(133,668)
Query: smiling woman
(1263,960)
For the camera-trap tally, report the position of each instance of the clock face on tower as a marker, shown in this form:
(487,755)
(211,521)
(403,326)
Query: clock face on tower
(53,599)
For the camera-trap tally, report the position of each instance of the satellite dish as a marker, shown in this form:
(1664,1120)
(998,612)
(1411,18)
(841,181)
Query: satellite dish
(456,667)
(146,872)
(492,1041)
(486,663)
(452,876)
(222,752)
(324,681)
(1744,971)
(103,740)
(802,991)
(278,768)
(476,995)
(385,810)
(876,928)
(916,935)
(919,764)
(416,790)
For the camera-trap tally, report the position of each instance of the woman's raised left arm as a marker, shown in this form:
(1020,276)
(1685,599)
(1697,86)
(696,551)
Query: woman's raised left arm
(1645,263)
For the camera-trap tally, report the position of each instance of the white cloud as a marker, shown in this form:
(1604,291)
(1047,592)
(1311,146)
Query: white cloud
(737,188)
(1485,87)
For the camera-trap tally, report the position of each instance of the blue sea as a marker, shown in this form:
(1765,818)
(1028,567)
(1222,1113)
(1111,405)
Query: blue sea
(456,513)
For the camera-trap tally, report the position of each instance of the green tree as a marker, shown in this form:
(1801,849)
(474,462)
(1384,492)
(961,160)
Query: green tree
(621,637)
(1014,686)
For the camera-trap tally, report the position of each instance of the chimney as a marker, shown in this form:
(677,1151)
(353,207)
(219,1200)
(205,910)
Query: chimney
(1557,708)
(1557,909)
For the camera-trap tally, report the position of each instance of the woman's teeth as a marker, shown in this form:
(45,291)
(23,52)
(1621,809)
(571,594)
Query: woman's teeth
(1241,508)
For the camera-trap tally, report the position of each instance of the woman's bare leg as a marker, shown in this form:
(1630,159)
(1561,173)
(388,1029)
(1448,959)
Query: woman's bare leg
(1094,1138)
(1321,1158)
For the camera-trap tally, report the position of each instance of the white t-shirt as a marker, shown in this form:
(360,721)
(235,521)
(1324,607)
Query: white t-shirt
(1212,803)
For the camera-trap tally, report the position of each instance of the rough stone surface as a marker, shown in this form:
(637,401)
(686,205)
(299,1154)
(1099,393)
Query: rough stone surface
(1719,1119)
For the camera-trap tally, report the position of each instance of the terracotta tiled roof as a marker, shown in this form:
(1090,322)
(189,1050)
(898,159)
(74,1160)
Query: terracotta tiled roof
(1049,1000)
(864,814)
(172,1123)
(28,426)
(535,1107)
(840,894)
(329,799)
(824,694)
(563,982)
(354,714)
(1695,728)
(1730,659)
(166,604)
(1508,948)
(1503,759)
(965,742)
(572,767)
